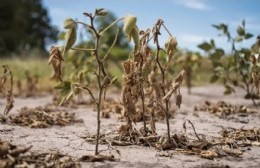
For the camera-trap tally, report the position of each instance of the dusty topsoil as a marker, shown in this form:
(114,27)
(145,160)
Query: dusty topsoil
(67,139)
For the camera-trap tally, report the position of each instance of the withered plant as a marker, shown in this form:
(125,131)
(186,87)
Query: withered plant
(190,62)
(31,84)
(7,76)
(103,79)
(146,75)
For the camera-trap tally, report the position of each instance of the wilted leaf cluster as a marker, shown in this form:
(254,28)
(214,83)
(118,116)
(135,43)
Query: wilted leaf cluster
(225,110)
(7,79)
(56,60)
(19,156)
(43,117)
(147,89)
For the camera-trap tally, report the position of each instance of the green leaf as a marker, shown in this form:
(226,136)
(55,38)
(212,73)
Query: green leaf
(62,36)
(69,23)
(205,46)
(71,37)
(113,80)
(66,85)
(248,35)
(212,43)
(218,67)
(66,91)
(243,23)
(240,31)
(222,27)
(239,38)
(245,53)
(101,12)
(216,26)
(228,90)
(214,78)
(218,53)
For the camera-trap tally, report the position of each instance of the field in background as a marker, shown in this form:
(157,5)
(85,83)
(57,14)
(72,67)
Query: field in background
(37,67)
(40,68)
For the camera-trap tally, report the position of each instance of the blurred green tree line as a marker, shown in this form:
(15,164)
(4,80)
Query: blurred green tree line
(24,26)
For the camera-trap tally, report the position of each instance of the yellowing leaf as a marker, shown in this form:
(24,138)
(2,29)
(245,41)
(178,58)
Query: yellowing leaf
(129,24)
(69,23)
(71,37)
(101,12)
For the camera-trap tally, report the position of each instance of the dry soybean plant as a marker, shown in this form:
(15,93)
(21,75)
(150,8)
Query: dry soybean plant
(190,62)
(7,79)
(103,79)
(146,78)
(31,84)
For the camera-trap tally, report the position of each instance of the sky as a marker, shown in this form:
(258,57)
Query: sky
(188,20)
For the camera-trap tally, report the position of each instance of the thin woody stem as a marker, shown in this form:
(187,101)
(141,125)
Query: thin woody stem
(112,24)
(87,90)
(110,49)
(167,29)
(82,49)
(100,86)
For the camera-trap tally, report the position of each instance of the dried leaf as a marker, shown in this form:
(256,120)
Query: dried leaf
(56,60)
(71,37)
(69,23)
(232,152)
(97,158)
(209,154)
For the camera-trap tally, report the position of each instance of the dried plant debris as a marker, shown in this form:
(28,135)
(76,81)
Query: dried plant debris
(17,156)
(126,137)
(225,110)
(43,117)
(112,106)
(240,137)
(230,143)
(98,158)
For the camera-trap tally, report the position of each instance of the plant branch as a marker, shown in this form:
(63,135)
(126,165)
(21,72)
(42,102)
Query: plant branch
(112,24)
(82,49)
(167,29)
(110,49)
(87,89)
(84,24)
(193,128)
(100,87)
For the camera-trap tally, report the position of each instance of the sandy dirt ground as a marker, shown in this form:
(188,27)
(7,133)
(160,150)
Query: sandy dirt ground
(67,139)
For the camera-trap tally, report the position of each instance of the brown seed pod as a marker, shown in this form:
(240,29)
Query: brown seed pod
(127,66)
(171,45)
(179,100)
(107,81)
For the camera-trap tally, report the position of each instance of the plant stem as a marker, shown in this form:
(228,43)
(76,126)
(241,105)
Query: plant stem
(163,89)
(100,86)
(167,119)
(82,49)
(112,24)
(98,108)
(142,93)
(167,30)
(111,47)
